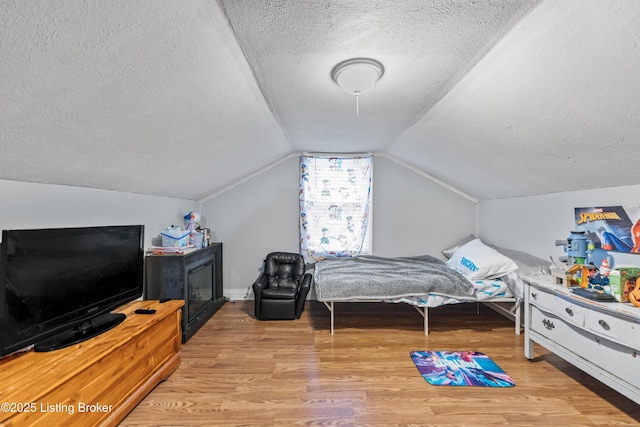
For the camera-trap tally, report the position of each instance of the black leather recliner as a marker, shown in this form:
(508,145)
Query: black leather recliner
(281,289)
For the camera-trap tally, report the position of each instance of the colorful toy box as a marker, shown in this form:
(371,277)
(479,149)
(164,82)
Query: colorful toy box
(622,280)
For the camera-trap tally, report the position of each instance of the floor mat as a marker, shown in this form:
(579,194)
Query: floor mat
(460,368)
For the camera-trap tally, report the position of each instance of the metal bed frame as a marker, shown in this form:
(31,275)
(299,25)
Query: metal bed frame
(514,313)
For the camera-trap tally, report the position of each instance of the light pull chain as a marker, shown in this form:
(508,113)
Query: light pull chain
(357,93)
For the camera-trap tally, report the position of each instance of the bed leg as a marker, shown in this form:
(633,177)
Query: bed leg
(425,313)
(426,320)
(518,317)
(331,309)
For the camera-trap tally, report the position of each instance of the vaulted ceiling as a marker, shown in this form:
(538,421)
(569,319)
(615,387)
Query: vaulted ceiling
(182,98)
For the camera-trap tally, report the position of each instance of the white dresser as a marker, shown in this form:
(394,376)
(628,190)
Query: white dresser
(602,339)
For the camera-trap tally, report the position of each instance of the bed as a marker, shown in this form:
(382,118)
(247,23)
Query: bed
(474,273)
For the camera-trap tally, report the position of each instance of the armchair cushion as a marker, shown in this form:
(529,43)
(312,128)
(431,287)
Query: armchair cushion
(284,270)
(275,293)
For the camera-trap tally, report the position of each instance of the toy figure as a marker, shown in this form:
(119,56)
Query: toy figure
(605,267)
(196,236)
(192,220)
(578,248)
(597,281)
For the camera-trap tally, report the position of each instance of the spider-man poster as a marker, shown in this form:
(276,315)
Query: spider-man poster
(611,228)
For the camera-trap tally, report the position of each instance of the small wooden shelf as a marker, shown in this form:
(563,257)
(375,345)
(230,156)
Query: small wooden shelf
(98,381)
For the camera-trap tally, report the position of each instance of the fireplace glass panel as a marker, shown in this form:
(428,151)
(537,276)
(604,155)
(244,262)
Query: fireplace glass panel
(200,292)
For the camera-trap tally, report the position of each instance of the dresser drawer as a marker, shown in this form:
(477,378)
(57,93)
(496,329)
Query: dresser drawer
(570,311)
(542,299)
(622,362)
(558,306)
(557,329)
(617,363)
(617,329)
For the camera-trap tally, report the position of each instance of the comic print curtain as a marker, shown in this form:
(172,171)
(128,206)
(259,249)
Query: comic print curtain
(335,194)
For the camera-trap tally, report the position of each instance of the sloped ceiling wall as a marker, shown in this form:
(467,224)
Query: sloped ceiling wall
(183,98)
(151,97)
(554,106)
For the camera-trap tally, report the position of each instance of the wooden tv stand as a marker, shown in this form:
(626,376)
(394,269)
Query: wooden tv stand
(96,382)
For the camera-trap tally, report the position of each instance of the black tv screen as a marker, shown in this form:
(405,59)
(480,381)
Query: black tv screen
(55,279)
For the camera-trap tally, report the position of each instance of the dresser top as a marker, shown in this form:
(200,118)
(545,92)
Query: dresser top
(545,283)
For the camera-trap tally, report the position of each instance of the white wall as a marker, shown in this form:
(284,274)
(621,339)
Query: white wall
(257,216)
(533,224)
(411,215)
(31,205)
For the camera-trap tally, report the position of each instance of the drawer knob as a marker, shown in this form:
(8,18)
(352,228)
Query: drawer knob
(569,311)
(548,324)
(534,295)
(604,325)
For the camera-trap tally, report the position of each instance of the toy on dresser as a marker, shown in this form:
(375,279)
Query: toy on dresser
(578,248)
(623,280)
(586,270)
(591,272)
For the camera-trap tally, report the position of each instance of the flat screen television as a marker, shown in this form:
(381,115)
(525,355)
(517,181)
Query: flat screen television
(58,285)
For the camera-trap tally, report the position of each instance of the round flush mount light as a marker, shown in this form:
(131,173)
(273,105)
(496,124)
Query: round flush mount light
(357,75)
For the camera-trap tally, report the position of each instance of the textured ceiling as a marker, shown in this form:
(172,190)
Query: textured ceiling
(184,98)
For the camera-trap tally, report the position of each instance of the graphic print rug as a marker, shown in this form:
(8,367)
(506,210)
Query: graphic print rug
(460,368)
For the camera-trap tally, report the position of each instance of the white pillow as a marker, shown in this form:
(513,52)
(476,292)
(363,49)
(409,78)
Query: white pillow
(477,261)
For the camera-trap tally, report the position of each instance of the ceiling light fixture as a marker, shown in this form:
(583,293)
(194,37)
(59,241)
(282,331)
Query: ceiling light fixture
(356,76)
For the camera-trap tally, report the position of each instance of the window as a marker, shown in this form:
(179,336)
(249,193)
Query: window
(335,196)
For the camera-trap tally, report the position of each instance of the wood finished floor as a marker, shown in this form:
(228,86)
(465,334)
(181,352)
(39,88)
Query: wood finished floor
(237,371)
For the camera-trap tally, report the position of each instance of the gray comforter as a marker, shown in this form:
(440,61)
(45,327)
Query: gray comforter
(375,278)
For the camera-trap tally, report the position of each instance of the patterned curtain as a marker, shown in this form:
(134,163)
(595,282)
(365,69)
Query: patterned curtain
(334,205)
